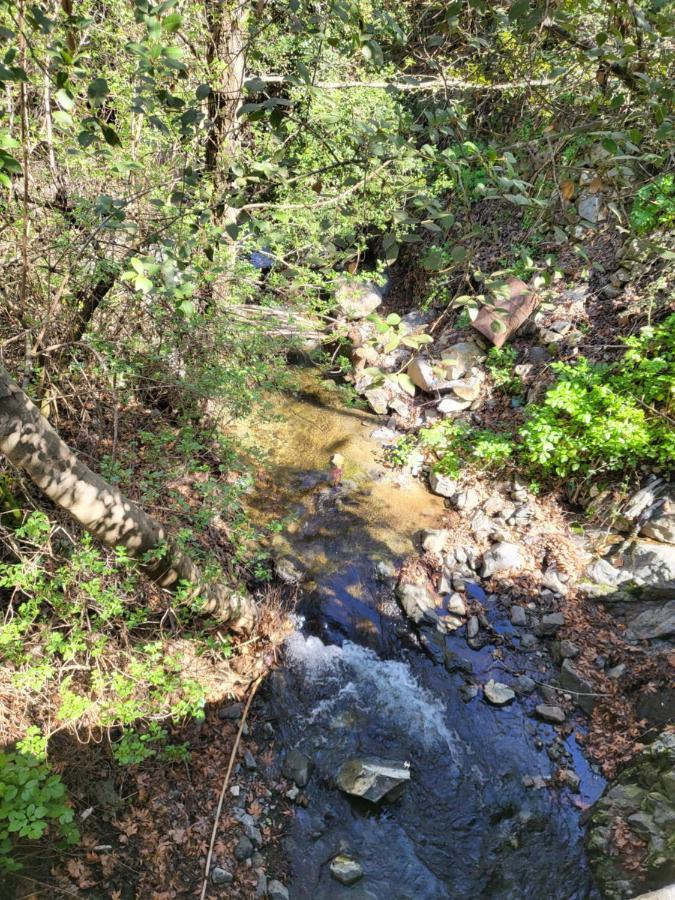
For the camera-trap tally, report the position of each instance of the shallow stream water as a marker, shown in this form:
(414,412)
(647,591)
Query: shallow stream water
(355,681)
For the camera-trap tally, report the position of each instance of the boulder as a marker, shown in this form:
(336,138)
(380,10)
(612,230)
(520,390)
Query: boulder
(373,779)
(498,694)
(500,557)
(661,527)
(442,485)
(418,603)
(641,799)
(657,707)
(357,299)
(345,870)
(651,563)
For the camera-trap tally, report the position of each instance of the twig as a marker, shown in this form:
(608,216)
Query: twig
(226,780)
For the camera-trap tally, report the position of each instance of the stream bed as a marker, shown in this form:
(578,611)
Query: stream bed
(355,681)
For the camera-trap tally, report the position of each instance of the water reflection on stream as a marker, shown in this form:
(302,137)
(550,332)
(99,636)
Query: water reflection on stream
(355,682)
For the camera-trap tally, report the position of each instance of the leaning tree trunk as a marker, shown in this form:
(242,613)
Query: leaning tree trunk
(29,441)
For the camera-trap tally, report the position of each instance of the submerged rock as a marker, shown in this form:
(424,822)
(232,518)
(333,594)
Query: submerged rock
(372,778)
(345,870)
(553,714)
(498,694)
(642,800)
(296,767)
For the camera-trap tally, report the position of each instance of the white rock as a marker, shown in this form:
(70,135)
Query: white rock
(371,778)
(421,373)
(357,299)
(457,604)
(460,358)
(449,405)
(467,388)
(499,557)
(442,485)
(345,870)
(498,694)
(434,540)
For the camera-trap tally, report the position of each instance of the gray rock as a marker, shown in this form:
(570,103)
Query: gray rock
(616,671)
(426,375)
(549,694)
(221,876)
(498,694)
(568,650)
(524,685)
(378,400)
(657,708)
(661,525)
(467,388)
(551,623)
(233,711)
(249,761)
(468,692)
(296,767)
(571,779)
(434,540)
(581,689)
(357,299)
(528,641)
(466,500)
(261,886)
(518,616)
(418,602)
(442,485)
(590,207)
(277,891)
(472,627)
(345,870)
(456,604)
(551,580)
(243,849)
(553,714)
(500,557)
(372,778)
(603,572)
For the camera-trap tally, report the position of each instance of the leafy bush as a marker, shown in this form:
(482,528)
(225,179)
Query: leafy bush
(599,418)
(654,205)
(500,363)
(32,800)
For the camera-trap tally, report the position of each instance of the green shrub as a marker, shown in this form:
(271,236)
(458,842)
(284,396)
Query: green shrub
(599,418)
(500,363)
(32,801)
(654,206)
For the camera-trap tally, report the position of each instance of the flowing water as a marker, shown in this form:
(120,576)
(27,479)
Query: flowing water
(355,681)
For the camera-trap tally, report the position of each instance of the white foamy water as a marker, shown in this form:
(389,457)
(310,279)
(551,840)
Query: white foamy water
(355,677)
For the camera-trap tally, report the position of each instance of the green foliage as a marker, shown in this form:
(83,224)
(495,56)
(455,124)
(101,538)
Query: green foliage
(500,363)
(32,801)
(654,205)
(134,747)
(600,419)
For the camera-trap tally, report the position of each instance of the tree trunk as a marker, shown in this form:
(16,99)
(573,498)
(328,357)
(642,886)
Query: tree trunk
(28,440)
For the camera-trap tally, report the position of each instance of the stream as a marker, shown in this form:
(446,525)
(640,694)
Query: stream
(355,681)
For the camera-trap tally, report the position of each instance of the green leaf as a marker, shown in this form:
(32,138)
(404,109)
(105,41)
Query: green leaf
(203,91)
(62,119)
(110,136)
(406,383)
(64,99)
(143,284)
(97,89)
(393,319)
(172,22)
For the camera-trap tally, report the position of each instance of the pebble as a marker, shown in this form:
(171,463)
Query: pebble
(525,685)
(528,641)
(551,623)
(221,876)
(249,761)
(553,714)
(472,627)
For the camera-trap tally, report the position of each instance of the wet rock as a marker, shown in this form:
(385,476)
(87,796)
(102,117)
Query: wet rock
(468,692)
(289,570)
(345,870)
(418,603)
(221,876)
(498,694)
(551,623)
(434,540)
(528,641)
(553,714)
(643,798)
(518,616)
(372,778)
(442,485)
(500,557)
(386,572)
(277,891)
(581,689)
(243,849)
(357,299)
(571,780)
(466,500)
(456,663)
(296,767)
(472,627)
(524,685)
